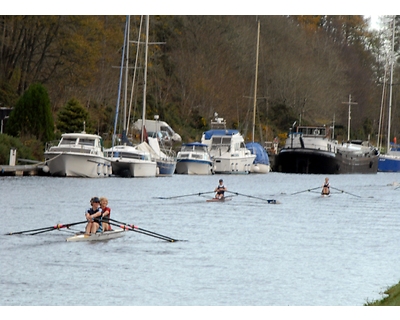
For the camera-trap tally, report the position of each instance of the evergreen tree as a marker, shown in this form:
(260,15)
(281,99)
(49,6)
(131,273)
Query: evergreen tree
(73,118)
(32,115)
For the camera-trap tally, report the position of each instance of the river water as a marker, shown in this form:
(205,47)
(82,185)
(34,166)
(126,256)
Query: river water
(305,251)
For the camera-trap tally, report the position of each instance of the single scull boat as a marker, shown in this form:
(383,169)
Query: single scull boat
(219,200)
(100,236)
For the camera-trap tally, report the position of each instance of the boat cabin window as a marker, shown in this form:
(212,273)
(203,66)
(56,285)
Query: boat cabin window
(68,141)
(312,131)
(200,148)
(222,141)
(184,156)
(86,142)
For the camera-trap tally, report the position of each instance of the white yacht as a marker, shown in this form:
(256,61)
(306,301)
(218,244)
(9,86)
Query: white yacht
(194,158)
(77,155)
(130,161)
(227,149)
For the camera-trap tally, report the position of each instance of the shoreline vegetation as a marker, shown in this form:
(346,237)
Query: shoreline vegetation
(392,297)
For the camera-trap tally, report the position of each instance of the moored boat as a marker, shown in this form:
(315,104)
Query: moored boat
(194,158)
(227,149)
(390,161)
(100,236)
(77,155)
(129,161)
(261,162)
(311,150)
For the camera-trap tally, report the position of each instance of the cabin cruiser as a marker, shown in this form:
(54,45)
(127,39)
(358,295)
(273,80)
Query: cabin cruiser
(194,158)
(131,161)
(227,149)
(77,155)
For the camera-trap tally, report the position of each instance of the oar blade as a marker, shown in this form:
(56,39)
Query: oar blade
(46,229)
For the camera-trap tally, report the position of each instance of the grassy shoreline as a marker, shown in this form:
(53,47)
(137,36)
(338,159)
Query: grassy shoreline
(392,298)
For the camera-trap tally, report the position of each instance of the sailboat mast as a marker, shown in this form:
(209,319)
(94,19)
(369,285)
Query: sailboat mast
(145,76)
(390,87)
(120,83)
(255,82)
(126,72)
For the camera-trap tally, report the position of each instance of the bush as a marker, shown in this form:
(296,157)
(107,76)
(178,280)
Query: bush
(32,150)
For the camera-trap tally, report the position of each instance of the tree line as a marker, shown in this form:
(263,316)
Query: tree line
(199,65)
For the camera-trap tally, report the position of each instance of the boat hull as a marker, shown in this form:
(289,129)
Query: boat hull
(101,236)
(219,200)
(195,167)
(129,161)
(73,164)
(132,168)
(166,167)
(260,168)
(233,165)
(311,161)
(389,163)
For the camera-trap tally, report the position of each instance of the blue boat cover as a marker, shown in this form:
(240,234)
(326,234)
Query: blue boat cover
(196,144)
(259,151)
(219,132)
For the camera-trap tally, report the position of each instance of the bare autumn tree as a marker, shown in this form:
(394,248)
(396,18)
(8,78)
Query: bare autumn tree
(66,53)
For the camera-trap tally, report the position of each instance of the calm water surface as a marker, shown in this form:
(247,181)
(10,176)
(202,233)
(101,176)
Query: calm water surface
(306,251)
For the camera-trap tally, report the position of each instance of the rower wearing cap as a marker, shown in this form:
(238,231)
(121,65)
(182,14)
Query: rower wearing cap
(93,216)
(220,189)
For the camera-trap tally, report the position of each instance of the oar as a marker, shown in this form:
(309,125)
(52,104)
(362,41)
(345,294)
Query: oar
(307,190)
(132,227)
(185,195)
(45,229)
(346,192)
(272,201)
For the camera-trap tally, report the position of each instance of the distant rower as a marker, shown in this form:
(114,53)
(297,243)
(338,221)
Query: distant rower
(220,189)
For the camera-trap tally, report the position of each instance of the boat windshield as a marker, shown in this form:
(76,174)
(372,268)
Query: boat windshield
(86,142)
(68,141)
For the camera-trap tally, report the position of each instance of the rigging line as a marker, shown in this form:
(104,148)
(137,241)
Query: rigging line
(134,74)
(119,85)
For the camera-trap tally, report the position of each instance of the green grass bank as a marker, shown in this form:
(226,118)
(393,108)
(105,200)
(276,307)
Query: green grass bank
(392,298)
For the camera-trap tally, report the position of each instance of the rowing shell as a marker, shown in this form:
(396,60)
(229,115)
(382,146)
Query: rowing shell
(219,200)
(100,236)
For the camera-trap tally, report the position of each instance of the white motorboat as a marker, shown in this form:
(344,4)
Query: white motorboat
(100,236)
(129,161)
(77,155)
(194,158)
(165,159)
(227,149)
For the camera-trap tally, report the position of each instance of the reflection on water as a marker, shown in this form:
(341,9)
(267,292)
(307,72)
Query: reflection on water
(308,250)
